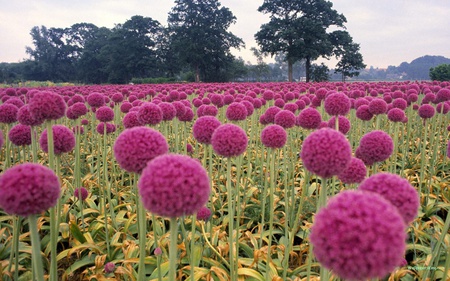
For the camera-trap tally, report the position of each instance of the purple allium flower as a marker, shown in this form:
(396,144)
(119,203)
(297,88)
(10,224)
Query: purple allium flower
(104,114)
(134,147)
(180,108)
(204,128)
(150,113)
(396,190)
(377,106)
(189,148)
(292,107)
(63,139)
(110,128)
(268,95)
(131,120)
(443,107)
(361,101)
(274,136)
(236,111)
(20,135)
(300,104)
(110,267)
(375,146)
(343,126)
(95,99)
(285,119)
(354,173)
(326,152)
(84,122)
(426,111)
(125,107)
(363,113)
(309,118)
(229,140)
(207,110)
(47,105)
(359,235)
(396,115)
(400,103)
(337,104)
(442,95)
(168,111)
(279,103)
(270,114)
(249,106)
(117,98)
(24,117)
(15,101)
(157,251)
(188,115)
(28,189)
(8,113)
(204,213)
(81,191)
(174,185)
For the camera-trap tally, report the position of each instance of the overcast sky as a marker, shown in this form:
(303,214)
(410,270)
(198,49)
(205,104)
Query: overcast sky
(389,32)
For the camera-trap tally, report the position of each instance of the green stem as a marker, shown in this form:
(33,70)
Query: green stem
(230,220)
(271,205)
(173,252)
(423,160)
(194,218)
(142,236)
(36,248)
(263,204)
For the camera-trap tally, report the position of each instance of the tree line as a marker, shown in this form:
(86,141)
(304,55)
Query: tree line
(194,46)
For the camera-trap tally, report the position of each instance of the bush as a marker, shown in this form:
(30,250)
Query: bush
(157,80)
(440,72)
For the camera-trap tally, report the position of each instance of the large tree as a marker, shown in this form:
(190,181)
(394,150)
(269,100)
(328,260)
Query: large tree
(200,37)
(351,61)
(299,29)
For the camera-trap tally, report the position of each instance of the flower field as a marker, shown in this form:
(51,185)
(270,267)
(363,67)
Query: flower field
(238,181)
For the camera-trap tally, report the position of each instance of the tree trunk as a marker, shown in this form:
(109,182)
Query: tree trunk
(308,69)
(197,73)
(290,70)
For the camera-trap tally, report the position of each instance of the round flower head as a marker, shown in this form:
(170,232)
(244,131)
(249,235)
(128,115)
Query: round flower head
(203,214)
(292,107)
(15,101)
(343,126)
(274,136)
(20,135)
(24,117)
(249,106)
(28,189)
(309,118)
(125,107)
(363,113)
(270,114)
(229,140)
(174,185)
(150,113)
(396,115)
(337,104)
(110,267)
(63,139)
(134,147)
(187,116)
(110,128)
(47,106)
(285,119)
(79,109)
(104,114)
(443,107)
(204,128)
(81,191)
(400,103)
(180,108)
(377,106)
(375,146)
(95,99)
(268,95)
(359,235)
(354,173)
(442,95)
(326,152)
(236,111)
(279,103)
(8,113)
(168,111)
(131,120)
(396,190)
(426,111)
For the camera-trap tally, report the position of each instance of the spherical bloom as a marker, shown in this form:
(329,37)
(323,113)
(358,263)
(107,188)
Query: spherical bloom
(268,95)
(236,111)
(300,104)
(174,185)
(400,103)
(15,101)
(375,146)
(81,191)
(95,99)
(207,110)
(292,107)
(377,106)
(149,113)
(20,135)
(396,115)
(204,128)
(180,108)
(274,136)
(279,103)
(364,113)
(285,119)
(270,114)
(354,173)
(442,95)
(134,147)
(309,118)
(204,213)
(84,122)
(24,117)
(168,111)
(229,140)
(47,106)
(125,107)
(396,190)
(343,126)
(361,101)
(188,115)
(443,107)
(104,114)
(189,148)
(426,111)
(326,152)
(110,128)
(110,267)
(249,106)
(337,104)
(8,113)
(359,235)
(63,139)
(131,120)
(28,189)
(117,97)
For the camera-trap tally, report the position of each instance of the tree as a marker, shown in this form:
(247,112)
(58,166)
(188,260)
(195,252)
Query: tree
(299,30)
(261,67)
(440,72)
(200,38)
(320,73)
(351,61)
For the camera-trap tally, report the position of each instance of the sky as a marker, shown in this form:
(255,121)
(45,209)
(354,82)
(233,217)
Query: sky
(389,32)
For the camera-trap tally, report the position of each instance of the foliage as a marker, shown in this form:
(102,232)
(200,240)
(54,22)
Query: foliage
(351,61)
(440,72)
(320,73)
